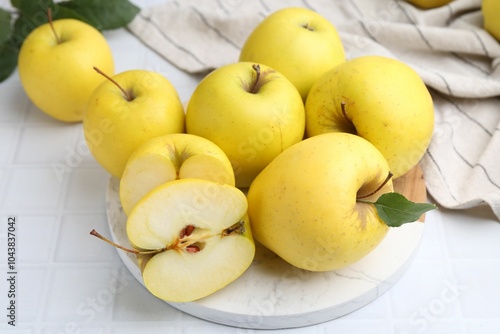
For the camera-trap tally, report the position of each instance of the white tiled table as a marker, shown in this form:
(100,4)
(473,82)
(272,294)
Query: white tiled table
(70,282)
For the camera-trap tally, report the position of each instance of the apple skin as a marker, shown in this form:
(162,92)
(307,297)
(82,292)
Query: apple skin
(169,157)
(301,53)
(386,102)
(490,10)
(58,77)
(251,128)
(427,4)
(175,274)
(115,127)
(303,207)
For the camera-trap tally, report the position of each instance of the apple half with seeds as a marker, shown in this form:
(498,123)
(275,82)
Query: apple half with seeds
(192,238)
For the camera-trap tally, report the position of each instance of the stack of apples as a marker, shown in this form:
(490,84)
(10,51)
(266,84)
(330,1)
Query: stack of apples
(291,148)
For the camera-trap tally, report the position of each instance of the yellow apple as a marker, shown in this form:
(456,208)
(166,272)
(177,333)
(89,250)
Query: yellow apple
(250,111)
(126,111)
(304,205)
(55,67)
(193,238)
(380,99)
(169,157)
(297,42)
(427,4)
(490,10)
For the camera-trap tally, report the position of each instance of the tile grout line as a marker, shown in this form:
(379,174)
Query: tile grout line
(58,214)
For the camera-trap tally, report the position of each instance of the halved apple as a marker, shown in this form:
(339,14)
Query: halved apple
(193,238)
(170,157)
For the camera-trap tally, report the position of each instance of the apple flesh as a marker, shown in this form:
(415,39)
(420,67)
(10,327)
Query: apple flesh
(198,235)
(303,206)
(169,157)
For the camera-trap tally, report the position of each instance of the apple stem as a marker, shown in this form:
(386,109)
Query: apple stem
(389,176)
(254,89)
(49,17)
(238,228)
(133,251)
(344,112)
(128,96)
(307,26)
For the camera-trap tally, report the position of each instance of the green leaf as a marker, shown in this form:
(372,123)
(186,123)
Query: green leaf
(4,26)
(395,210)
(8,49)
(103,15)
(16,3)
(8,60)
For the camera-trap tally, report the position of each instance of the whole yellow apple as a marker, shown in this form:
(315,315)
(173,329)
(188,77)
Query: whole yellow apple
(170,157)
(55,67)
(304,205)
(380,99)
(427,4)
(490,10)
(250,111)
(126,111)
(297,42)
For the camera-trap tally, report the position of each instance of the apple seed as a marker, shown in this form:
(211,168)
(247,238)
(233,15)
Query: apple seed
(186,231)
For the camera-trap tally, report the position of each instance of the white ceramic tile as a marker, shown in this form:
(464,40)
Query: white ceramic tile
(45,144)
(76,245)
(482,326)
(8,139)
(32,189)
(87,189)
(79,294)
(361,326)
(81,152)
(377,309)
(137,304)
(15,103)
(424,326)
(467,239)
(30,286)
(19,329)
(479,282)
(74,327)
(35,238)
(427,292)
(127,52)
(35,115)
(431,245)
(3,181)
(150,328)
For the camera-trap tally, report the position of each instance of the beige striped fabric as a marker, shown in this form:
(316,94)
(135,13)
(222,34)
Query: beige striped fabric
(457,59)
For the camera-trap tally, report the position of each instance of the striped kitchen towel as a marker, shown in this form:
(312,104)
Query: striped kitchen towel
(447,46)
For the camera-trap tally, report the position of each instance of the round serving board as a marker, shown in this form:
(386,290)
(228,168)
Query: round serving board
(272,294)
